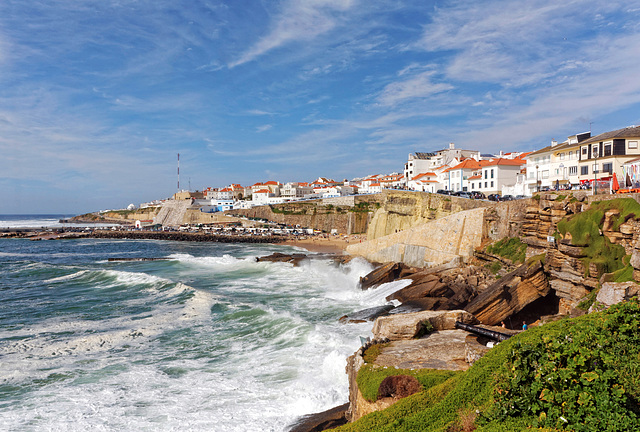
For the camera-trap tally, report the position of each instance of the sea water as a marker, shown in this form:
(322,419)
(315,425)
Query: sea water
(204,339)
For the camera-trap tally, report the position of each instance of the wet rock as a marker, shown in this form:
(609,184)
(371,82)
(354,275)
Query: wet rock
(294,259)
(386,273)
(326,420)
(368,314)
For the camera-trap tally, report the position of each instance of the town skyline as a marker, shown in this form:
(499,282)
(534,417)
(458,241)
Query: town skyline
(98,98)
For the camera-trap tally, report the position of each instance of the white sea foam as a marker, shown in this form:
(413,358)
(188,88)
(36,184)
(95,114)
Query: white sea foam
(52,340)
(273,349)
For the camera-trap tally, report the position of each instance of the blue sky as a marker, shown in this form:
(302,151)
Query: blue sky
(98,97)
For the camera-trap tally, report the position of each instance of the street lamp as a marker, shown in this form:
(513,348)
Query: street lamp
(595,171)
(537,180)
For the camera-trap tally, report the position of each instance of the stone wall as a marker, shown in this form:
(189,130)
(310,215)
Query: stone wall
(430,243)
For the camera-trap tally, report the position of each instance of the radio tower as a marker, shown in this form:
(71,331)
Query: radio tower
(178,172)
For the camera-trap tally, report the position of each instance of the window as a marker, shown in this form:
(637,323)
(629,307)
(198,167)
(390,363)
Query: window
(485,184)
(473,186)
(545,174)
(584,170)
(608,167)
(595,168)
(584,151)
(485,175)
(561,156)
(573,170)
(491,183)
(633,144)
(607,149)
(594,151)
(492,175)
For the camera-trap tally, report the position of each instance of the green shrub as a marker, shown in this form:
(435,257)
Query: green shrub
(510,248)
(585,370)
(494,267)
(585,230)
(577,374)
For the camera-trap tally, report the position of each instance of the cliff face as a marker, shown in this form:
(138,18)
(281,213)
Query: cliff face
(401,210)
(346,216)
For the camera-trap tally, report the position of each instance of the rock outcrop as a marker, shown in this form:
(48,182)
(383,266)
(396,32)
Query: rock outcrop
(408,326)
(510,294)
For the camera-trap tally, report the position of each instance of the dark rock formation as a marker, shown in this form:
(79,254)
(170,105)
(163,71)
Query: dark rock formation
(322,421)
(369,314)
(398,386)
(385,273)
(510,294)
(295,259)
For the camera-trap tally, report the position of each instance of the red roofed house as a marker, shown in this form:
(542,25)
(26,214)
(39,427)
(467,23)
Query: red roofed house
(425,182)
(460,173)
(497,173)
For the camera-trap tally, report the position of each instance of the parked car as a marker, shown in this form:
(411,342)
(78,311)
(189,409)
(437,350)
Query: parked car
(477,195)
(443,192)
(463,194)
(507,198)
(494,197)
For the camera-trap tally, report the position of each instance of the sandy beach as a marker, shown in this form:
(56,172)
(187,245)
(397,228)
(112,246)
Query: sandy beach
(327,243)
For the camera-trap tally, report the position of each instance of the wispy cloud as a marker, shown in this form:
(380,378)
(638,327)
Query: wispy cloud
(263,128)
(298,20)
(418,86)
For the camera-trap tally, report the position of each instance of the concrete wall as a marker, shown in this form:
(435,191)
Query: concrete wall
(430,243)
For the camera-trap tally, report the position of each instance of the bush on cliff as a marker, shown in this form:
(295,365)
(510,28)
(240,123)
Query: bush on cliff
(581,374)
(585,230)
(510,248)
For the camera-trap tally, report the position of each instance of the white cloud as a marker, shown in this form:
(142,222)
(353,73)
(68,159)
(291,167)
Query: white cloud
(419,86)
(263,128)
(299,20)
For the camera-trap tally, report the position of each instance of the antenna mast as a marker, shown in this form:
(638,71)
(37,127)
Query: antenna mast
(178,172)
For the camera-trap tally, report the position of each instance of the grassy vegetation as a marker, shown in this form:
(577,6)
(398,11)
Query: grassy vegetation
(494,267)
(581,375)
(510,248)
(585,230)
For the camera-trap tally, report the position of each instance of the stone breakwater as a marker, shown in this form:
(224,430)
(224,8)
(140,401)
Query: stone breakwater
(185,236)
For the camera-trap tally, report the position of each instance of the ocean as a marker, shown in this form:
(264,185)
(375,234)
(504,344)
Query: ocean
(204,339)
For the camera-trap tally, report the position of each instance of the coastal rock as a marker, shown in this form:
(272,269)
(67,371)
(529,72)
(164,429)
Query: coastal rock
(368,314)
(386,273)
(294,259)
(408,326)
(325,420)
(614,292)
(510,294)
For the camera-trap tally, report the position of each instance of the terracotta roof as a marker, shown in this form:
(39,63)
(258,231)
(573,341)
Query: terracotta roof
(628,132)
(271,182)
(419,176)
(509,162)
(263,191)
(475,177)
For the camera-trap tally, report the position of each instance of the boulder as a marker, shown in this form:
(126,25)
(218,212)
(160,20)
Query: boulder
(408,326)
(295,259)
(385,273)
(430,287)
(615,292)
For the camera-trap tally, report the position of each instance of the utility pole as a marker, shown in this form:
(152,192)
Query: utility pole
(178,172)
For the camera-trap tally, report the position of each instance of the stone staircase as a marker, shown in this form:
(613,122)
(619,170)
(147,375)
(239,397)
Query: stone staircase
(172,212)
